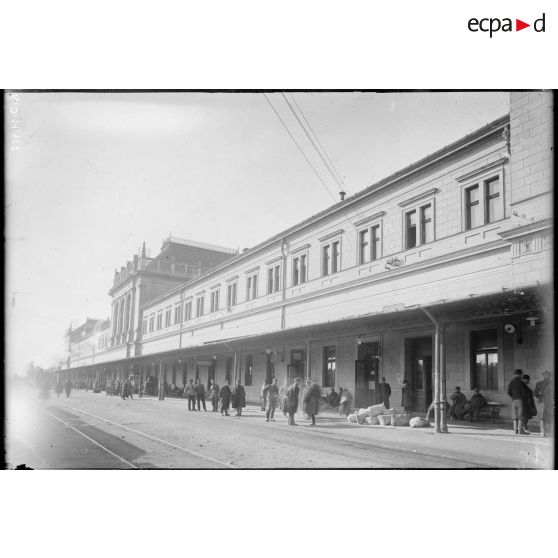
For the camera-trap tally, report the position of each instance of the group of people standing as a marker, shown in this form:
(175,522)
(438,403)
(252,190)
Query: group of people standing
(59,387)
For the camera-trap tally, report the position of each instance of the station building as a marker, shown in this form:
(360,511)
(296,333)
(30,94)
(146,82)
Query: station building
(446,263)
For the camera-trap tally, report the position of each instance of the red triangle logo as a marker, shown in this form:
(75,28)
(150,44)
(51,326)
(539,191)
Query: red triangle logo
(519,25)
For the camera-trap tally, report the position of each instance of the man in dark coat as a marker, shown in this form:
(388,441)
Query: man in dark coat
(407,397)
(457,409)
(517,390)
(200,394)
(225,398)
(68,387)
(384,392)
(190,393)
(214,393)
(333,398)
(311,400)
(530,409)
(543,392)
(271,394)
(476,403)
(291,400)
(238,398)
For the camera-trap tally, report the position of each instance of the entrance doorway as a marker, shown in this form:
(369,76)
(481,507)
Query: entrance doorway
(297,366)
(366,374)
(418,370)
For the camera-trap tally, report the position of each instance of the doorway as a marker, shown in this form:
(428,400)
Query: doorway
(367,368)
(297,366)
(418,370)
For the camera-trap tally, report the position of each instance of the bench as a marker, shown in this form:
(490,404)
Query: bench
(492,410)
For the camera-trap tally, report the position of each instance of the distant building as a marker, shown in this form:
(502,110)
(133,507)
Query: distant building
(450,256)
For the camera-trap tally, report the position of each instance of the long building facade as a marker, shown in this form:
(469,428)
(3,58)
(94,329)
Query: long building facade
(440,274)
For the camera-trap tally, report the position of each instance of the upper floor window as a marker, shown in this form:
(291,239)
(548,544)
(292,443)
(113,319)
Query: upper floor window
(151,323)
(188,311)
(199,306)
(419,226)
(331,257)
(483,201)
(369,244)
(231,294)
(214,301)
(273,274)
(159,320)
(144,326)
(252,287)
(300,269)
(178,314)
(167,317)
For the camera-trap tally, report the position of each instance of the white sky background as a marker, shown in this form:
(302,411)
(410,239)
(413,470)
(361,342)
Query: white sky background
(96,174)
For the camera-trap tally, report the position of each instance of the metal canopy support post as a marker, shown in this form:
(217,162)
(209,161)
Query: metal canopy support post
(443,397)
(161,394)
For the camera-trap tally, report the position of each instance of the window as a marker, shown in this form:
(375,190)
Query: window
(252,287)
(369,247)
(177,314)
(331,258)
(229,369)
(248,368)
(419,226)
(167,317)
(231,294)
(199,306)
(144,326)
(188,311)
(273,279)
(484,359)
(300,273)
(151,323)
(214,302)
(484,203)
(159,320)
(329,365)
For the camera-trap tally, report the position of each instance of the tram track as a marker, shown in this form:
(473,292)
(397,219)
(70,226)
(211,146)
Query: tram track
(405,452)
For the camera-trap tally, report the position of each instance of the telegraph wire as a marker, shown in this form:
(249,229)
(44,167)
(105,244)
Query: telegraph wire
(299,148)
(329,163)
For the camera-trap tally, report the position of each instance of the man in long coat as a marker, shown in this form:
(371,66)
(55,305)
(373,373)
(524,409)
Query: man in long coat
(543,392)
(225,398)
(311,400)
(517,390)
(214,392)
(68,387)
(407,397)
(476,404)
(238,398)
(457,409)
(271,394)
(384,392)
(200,394)
(291,400)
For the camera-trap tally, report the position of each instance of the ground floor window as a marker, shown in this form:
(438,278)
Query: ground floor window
(229,369)
(329,366)
(248,369)
(484,359)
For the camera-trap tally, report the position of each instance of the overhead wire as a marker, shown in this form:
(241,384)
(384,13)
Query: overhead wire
(300,148)
(319,148)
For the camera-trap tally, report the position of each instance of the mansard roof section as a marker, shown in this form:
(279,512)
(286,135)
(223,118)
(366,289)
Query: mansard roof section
(193,252)
(491,132)
(87,329)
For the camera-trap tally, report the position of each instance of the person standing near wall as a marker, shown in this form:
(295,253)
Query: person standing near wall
(407,397)
(543,392)
(238,398)
(271,393)
(530,409)
(291,400)
(190,392)
(68,387)
(225,398)
(517,390)
(214,393)
(311,400)
(384,393)
(200,394)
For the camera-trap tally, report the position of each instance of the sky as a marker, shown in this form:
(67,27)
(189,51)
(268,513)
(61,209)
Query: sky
(90,176)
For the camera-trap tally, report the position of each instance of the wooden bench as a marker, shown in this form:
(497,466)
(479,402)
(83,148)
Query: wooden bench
(492,410)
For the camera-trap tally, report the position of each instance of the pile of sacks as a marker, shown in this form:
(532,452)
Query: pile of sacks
(379,415)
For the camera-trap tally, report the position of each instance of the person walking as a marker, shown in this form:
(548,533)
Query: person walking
(407,397)
(291,400)
(58,388)
(214,393)
(543,392)
(225,398)
(384,392)
(190,392)
(530,409)
(271,393)
(238,398)
(345,401)
(517,390)
(127,389)
(68,387)
(311,400)
(200,394)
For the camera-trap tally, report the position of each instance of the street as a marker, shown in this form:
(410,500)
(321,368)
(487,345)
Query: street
(95,431)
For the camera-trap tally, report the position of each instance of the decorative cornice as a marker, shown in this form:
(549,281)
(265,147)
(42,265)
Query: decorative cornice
(418,197)
(274,260)
(214,286)
(252,269)
(370,218)
(301,248)
(328,236)
(234,278)
(200,293)
(481,170)
(531,228)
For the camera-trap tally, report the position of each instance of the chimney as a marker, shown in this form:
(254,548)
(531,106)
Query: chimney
(342,195)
